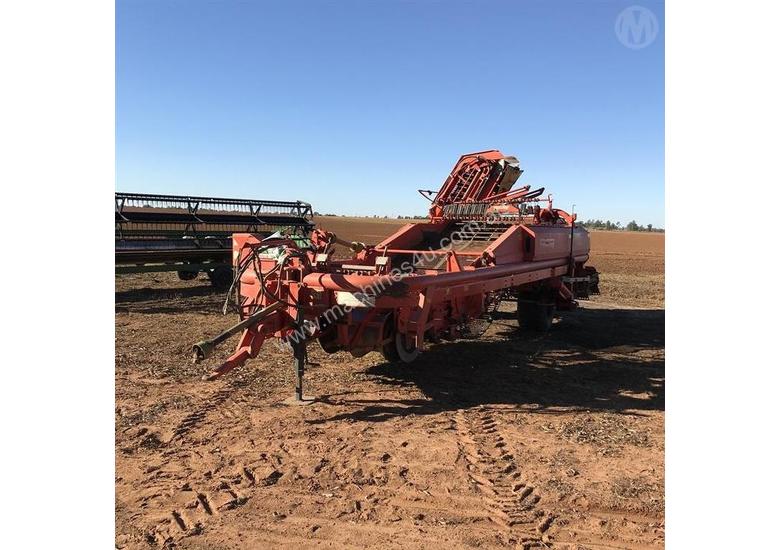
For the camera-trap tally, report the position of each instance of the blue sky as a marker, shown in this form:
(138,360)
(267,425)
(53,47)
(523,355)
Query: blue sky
(353,106)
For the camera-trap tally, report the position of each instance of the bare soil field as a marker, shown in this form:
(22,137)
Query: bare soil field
(509,441)
(631,266)
(368,230)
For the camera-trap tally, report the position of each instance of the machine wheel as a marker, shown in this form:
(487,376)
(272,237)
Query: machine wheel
(534,316)
(187,275)
(396,351)
(328,341)
(221,277)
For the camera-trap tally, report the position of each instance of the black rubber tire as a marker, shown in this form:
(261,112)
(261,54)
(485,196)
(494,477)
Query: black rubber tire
(187,275)
(328,341)
(395,351)
(221,277)
(388,349)
(534,316)
(390,353)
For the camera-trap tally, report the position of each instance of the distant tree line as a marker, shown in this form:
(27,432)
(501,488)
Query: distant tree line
(617,226)
(590,224)
(374,216)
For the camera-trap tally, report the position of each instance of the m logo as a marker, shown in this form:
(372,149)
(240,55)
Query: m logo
(636,27)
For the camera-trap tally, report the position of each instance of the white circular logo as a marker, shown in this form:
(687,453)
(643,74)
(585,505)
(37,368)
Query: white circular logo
(636,27)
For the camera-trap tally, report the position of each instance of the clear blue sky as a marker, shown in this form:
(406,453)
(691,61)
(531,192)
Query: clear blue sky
(353,106)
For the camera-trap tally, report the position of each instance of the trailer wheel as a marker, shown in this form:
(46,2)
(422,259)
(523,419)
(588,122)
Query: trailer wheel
(187,275)
(328,341)
(396,351)
(534,316)
(221,277)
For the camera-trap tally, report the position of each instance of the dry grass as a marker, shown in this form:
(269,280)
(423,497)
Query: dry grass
(609,433)
(637,493)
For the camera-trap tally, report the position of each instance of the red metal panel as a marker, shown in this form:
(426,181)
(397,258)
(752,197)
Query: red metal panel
(549,242)
(537,247)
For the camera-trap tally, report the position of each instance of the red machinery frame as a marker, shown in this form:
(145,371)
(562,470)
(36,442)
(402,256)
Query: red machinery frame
(483,243)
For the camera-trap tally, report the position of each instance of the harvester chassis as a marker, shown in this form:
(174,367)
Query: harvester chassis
(418,285)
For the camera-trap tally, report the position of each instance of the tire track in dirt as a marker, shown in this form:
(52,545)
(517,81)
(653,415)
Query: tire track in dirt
(214,402)
(216,486)
(193,419)
(511,501)
(190,508)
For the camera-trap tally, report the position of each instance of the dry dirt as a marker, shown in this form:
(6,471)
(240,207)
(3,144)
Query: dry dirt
(509,441)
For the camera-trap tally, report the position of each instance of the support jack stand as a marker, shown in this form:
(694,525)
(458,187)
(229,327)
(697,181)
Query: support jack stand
(299,364)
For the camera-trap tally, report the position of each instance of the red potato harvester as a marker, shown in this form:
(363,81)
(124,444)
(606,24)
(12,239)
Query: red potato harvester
(484,243)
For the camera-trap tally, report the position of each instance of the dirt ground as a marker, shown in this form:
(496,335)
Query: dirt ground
(509,441)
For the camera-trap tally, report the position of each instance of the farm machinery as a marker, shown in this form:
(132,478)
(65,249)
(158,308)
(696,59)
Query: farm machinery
(484,242)
(190,235)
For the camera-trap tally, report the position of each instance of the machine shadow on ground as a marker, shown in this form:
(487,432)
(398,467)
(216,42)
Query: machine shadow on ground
(202,298)
(592,359)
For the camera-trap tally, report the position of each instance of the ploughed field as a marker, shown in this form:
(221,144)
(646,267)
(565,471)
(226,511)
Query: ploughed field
(507,441)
